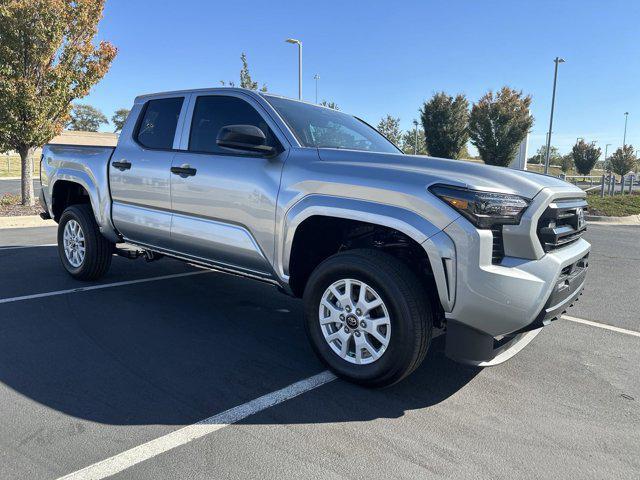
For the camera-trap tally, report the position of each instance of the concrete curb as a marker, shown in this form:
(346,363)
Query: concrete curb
(628,220)
(25,221)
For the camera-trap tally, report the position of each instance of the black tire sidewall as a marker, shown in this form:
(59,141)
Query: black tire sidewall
(83,215)
(399,353)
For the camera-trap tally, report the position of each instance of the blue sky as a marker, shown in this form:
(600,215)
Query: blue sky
(375,58)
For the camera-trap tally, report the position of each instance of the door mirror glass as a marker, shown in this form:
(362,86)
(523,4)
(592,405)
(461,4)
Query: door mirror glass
(247,138)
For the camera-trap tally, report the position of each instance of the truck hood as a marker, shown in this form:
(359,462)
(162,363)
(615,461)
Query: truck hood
(460,173)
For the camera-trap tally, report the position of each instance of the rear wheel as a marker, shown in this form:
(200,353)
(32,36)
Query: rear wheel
(84,252)
(367,317)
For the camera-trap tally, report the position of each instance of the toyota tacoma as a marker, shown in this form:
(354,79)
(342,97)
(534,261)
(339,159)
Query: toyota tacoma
(385,249)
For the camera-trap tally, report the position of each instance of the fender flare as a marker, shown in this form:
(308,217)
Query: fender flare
(440,250)
(100,203)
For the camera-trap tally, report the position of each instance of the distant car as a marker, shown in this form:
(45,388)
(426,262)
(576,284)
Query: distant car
(383,247)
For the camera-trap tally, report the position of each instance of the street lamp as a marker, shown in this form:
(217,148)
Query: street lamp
(624,139)
(606,149)
(316,77)
(557,61)
(415,144)
(299,43)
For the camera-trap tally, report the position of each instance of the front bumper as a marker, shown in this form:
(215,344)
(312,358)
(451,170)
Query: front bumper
(500,308)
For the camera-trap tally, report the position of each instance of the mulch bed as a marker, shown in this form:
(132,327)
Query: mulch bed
(17,210)
(10,206)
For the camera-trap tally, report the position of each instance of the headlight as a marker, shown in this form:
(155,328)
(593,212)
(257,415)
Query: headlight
(483,209)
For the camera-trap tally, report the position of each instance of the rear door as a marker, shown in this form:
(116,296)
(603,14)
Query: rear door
(139,171)
(224,205)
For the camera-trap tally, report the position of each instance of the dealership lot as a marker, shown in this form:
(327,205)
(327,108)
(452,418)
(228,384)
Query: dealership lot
(154,348)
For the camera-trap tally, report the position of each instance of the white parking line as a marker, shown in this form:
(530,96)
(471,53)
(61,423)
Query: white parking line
(16,247)
(135,455)
(99,287)
(601,325)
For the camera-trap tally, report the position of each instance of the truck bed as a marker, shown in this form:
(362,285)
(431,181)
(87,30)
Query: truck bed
(84,164)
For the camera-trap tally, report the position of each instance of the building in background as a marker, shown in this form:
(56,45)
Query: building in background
(520,162)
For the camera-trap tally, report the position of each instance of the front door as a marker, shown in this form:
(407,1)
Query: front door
(223,201)
(139,173)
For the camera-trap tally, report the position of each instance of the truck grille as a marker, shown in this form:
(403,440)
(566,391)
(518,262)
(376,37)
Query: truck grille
(498,245)
(562,223)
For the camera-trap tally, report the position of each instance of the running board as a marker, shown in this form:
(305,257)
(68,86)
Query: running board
(148,255)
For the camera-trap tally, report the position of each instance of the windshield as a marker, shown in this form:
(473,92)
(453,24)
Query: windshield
(321,127)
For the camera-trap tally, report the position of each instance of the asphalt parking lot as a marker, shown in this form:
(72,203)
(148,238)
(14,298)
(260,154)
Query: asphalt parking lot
(13,186)
(154,348)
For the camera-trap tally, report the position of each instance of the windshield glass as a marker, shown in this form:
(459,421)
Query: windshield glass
(321,127)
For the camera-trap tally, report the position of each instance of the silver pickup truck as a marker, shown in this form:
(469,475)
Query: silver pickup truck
(385,249)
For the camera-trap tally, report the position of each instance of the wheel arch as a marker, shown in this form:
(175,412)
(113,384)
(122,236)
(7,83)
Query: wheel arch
(70,187)
(409,224)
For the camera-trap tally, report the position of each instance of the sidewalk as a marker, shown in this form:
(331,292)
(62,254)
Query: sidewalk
(25,221)
(601,220)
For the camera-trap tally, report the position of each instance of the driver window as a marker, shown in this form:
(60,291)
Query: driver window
(211,113)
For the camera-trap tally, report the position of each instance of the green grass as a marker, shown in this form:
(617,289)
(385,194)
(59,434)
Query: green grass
(10,166)
(616,206)
(553,170)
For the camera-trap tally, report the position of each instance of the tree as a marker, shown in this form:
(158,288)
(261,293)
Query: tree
(47,60)
(623,160)
(541,155)
(86,118)
(245,77)
(409,142)
(585,155)
(327,104)
(566,162)
(390,128)
(498,124)
(119,118)
(445,123)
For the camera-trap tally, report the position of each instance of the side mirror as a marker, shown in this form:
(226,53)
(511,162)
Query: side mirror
(246,138)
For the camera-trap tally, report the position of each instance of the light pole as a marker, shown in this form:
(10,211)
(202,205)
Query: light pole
(415,144)
(624,138)
(316,77)
(557,60)
(299,43)
(606,149)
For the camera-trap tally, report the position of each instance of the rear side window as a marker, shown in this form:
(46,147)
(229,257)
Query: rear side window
(211,113)
(158,126)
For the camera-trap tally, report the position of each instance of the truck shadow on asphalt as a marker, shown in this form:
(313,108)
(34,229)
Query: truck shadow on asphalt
(177,351)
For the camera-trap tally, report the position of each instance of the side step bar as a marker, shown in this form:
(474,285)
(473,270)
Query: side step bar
(148,255)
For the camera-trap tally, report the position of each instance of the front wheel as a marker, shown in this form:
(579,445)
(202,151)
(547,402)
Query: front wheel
(368,317)
(84,252)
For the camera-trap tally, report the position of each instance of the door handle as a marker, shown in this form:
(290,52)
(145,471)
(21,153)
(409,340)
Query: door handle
(122,166)
(184,171)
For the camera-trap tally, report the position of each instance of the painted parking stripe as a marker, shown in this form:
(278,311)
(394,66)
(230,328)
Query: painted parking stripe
(99,287)
(177,438)
(602,325)
(17,247)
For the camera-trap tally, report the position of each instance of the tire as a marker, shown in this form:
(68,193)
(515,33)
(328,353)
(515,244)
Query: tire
(405,303)
(98,251)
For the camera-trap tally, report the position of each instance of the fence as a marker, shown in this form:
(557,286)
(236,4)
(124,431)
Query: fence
(10,165)
(608,184)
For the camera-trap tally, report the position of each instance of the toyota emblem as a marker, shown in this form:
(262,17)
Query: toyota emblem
(581,220)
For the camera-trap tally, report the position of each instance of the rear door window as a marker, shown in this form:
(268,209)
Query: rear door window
(158,126)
